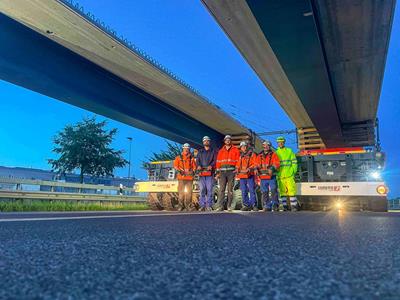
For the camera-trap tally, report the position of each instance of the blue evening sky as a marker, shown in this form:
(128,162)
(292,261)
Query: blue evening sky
(182,36)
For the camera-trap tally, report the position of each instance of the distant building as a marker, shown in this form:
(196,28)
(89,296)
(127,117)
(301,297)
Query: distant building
(38,174)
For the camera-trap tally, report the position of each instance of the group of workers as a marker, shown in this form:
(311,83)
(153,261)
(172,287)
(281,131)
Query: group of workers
(273,171)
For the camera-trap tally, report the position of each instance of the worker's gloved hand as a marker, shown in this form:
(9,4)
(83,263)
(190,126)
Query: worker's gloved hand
(255,172)
(216,176)
(209,168)
(198,168)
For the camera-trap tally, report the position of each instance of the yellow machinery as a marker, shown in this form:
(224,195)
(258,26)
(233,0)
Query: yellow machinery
(162,187)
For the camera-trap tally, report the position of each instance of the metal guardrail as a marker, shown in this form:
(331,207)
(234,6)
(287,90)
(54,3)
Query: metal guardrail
(82,186)
(69,196)
(394,204)
(14,188)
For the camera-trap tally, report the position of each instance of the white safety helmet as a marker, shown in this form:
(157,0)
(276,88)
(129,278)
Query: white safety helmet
(266,142)
(206,138)
(186,146)
(227,137)
(243,143)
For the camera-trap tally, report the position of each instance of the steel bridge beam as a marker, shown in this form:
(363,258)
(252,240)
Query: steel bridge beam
(31,60)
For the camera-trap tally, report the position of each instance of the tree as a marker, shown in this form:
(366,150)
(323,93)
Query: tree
(173,150)
(86,146)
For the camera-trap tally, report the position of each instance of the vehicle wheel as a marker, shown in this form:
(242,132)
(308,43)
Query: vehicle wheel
(215,196)
(169,201)
(237,201)
(195,200)
(155,201)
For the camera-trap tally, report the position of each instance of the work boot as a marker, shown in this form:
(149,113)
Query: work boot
(181,208)
(208,209)
(255,208)
(264,209)
(220,209)
(202,209)
(230,209)
(244,208)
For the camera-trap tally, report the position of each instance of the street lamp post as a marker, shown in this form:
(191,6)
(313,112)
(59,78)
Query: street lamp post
(130,153)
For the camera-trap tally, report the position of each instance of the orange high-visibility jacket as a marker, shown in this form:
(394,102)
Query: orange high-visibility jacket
(267,161)
(246,164)
(227,158)
(185,164)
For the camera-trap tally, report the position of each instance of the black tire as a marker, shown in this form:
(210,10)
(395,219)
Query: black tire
(170,201)
(195,200)
(215,196)
(237,197)
(237,202)
(155,201)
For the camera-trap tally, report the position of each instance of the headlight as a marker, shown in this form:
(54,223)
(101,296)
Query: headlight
(339,205)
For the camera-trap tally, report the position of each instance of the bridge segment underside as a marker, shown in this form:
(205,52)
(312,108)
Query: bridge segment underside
(54,49)
(323,61)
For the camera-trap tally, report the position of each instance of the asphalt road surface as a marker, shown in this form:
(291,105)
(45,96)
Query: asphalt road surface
(304,255)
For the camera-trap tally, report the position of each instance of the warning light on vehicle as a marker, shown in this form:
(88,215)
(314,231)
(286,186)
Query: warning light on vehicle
(382,190)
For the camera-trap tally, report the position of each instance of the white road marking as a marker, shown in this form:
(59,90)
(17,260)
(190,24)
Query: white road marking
(121,216)
(102,217)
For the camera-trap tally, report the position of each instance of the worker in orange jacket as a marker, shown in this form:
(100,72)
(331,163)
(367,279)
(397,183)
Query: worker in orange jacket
(268,166)
(227,159)
(246,168)
(185,165)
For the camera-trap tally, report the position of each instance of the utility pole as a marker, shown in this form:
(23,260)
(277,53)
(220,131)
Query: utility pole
(130,153)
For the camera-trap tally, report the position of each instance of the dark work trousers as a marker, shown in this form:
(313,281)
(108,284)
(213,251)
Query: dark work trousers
(185,188)
(206,191)
(226,178)
(269,186)
(248,186)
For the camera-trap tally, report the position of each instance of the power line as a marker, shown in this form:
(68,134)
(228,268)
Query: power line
(291,131)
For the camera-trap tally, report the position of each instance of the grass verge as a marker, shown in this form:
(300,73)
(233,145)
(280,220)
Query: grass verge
(56,205)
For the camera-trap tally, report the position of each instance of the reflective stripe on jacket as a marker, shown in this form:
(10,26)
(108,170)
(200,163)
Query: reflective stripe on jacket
(288,162)
(185,164)
(246,164)
(267,161)
(227,158)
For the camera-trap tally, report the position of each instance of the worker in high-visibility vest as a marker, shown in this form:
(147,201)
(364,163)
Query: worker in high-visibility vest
(286,174)
(246,168)
(227,159)
(185,165)
(268,166)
